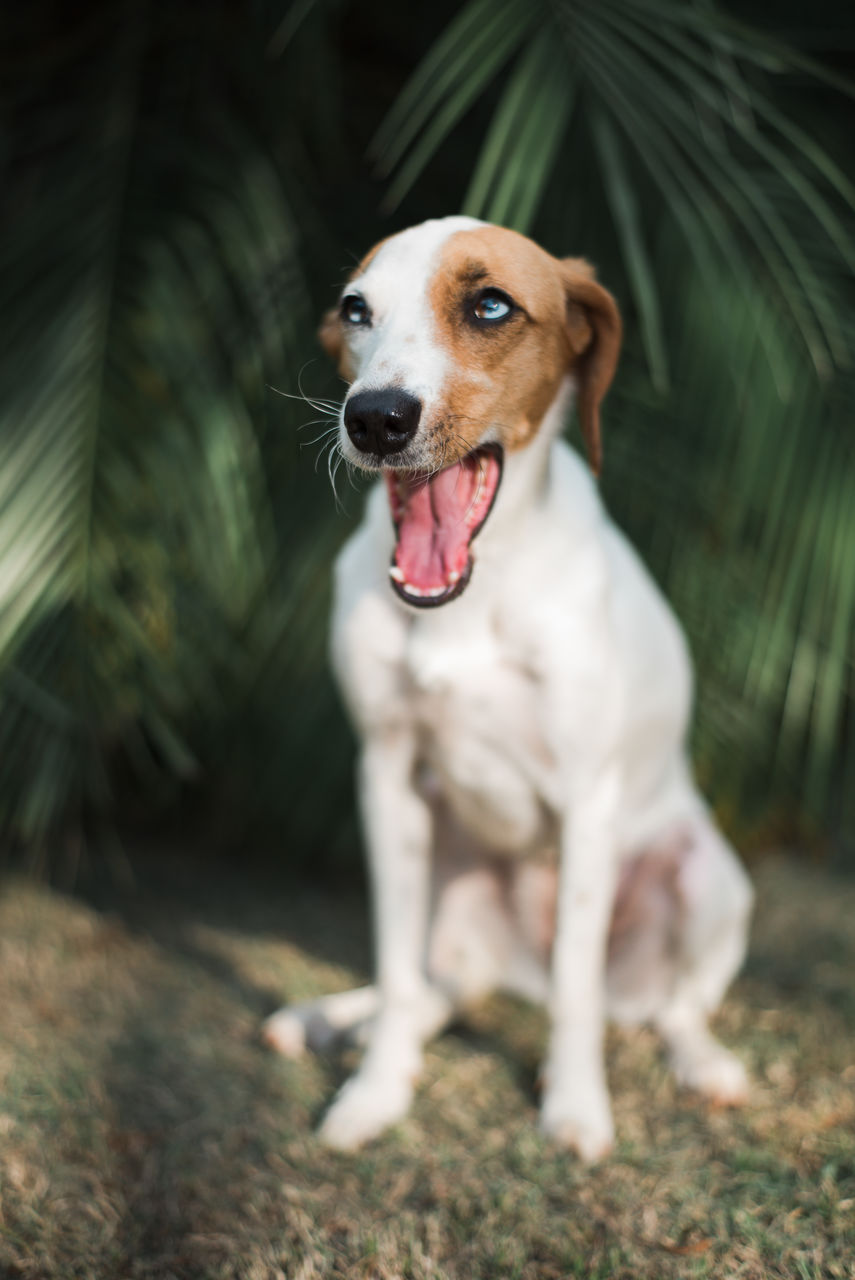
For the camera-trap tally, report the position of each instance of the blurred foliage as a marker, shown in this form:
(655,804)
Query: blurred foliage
(183,188)
(162,557)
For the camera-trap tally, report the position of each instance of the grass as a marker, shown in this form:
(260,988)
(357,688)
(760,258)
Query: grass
(144,1132)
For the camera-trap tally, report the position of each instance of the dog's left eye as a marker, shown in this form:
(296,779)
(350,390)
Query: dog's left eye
(354,309)
(492,304)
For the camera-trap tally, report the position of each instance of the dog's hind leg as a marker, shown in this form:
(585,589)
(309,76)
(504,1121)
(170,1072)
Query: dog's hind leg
(320,1024)
(715,898)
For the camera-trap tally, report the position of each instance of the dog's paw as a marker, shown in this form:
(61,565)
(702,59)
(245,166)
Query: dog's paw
(717,1074)
(362,1110)
(588,1130)
(285,1032)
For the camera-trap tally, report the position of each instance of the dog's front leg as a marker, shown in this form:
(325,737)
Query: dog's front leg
(397,825)
(576,1110)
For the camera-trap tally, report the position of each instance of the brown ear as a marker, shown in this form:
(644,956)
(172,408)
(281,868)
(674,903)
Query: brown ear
(330,334)
(594,329)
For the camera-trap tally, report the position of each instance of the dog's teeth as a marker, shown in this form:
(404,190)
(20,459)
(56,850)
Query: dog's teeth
(420,593)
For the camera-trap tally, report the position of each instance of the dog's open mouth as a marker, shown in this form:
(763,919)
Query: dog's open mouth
(436,516)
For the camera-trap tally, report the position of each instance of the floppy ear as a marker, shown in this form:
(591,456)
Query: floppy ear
(330,335)
(594,329)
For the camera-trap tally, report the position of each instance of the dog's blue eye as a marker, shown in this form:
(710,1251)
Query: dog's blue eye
(492,304)
(354,309)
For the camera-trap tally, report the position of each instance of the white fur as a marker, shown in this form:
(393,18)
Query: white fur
(540,715)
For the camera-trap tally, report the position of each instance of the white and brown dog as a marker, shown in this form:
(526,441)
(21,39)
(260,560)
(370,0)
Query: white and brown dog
(522,699)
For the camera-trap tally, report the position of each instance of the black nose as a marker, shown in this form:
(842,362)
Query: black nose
(382,422)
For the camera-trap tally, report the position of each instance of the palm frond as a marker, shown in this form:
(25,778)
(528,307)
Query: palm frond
(627,220)
(527,130)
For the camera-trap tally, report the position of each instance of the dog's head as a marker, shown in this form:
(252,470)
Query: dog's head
(456,337)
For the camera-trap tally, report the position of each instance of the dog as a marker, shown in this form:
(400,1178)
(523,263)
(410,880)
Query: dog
(522,693)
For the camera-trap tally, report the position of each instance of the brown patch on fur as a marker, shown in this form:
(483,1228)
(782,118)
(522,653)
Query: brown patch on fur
(508,374)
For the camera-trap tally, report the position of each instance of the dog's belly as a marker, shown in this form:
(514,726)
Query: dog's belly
(483,755)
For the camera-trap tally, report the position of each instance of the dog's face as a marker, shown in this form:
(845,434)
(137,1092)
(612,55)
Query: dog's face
(456,337)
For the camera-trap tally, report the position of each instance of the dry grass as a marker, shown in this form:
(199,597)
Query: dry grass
(145,1133)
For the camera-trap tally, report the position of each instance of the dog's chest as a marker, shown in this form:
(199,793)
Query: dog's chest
(476,708)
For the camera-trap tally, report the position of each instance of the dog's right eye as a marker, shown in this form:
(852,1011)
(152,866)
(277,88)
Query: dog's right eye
(354,309)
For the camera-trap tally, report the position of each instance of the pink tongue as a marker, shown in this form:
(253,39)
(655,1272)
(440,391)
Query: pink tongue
(437,518)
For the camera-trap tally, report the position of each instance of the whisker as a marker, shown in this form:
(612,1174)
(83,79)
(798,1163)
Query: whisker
(352,472)
(340,458)
(313,422)
(333,403)
(333,462)
(327,406)
(320,403)
(327,449)
(329,424)
(324,435)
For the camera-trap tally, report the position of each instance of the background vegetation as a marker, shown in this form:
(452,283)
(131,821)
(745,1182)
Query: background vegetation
(183,189)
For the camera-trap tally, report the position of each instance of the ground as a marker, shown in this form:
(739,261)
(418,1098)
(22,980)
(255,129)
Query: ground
(145,1131)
